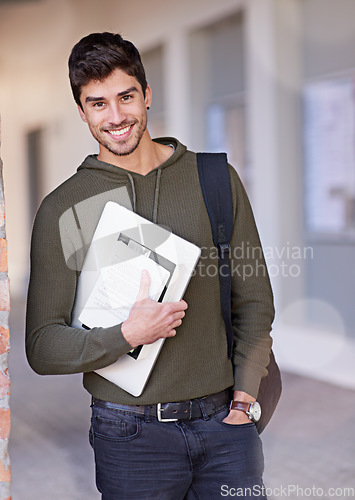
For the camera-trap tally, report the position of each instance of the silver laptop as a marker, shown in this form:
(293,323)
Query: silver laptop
(124,244)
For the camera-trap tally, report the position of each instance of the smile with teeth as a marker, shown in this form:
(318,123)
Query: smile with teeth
(119,132)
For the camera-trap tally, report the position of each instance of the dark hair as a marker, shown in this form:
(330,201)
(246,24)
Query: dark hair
(97,55)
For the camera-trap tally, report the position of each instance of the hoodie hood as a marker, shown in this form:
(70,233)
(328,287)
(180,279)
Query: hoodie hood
(121,175)
(91,162)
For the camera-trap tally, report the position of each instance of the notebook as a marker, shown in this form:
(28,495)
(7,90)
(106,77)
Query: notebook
(124,244)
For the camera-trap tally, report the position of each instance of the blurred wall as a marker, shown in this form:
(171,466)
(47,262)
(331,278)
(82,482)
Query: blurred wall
(227,75)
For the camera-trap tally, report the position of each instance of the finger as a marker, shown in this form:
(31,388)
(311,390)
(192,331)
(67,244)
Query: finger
(176,323)
(183,305)
(178,315)
(176,307)
(143,292)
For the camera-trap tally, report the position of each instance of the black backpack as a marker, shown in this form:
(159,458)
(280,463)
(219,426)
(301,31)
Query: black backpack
(218,200)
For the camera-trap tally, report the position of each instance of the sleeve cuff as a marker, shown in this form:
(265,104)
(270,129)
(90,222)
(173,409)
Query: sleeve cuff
(248,378)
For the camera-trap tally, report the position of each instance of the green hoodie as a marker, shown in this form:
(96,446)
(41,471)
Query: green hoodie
(192,364)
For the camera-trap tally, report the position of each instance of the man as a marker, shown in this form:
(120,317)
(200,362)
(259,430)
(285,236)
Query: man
(209,448)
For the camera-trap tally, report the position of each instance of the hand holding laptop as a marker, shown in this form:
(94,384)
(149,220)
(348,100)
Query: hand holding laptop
(149,320)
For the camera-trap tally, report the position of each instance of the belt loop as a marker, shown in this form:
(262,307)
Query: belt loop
(201,404)
(147,416)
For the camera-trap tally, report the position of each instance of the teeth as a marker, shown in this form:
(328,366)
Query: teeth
(119,132)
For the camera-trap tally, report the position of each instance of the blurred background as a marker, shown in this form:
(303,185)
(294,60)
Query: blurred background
(272,82)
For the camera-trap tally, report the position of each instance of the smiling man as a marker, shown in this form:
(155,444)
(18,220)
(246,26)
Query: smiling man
(141,450)
(117,120)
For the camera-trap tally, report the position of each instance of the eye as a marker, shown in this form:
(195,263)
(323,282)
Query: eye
(127,97)
(99,104)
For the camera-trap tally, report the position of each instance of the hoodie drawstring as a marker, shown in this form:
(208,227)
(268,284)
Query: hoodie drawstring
(156,194)
(133,191)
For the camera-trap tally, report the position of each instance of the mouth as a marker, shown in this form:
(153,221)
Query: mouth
(120,133)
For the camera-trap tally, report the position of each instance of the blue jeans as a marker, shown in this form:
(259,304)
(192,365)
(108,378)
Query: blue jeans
(203,458)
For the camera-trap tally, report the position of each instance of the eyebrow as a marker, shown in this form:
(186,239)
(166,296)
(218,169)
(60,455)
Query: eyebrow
(120,94)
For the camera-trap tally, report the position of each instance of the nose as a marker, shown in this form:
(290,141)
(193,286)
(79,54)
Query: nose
(116,115)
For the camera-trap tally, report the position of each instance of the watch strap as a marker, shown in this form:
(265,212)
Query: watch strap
(240,405)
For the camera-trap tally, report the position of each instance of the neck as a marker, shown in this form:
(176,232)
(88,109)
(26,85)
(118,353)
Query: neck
(145,158)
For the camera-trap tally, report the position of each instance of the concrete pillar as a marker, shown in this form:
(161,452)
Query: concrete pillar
(176,83)
(5,469)
(274,76)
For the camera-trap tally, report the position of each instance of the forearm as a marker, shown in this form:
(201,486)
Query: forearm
(243,396)
(59,349)
(250,360)
(253,313)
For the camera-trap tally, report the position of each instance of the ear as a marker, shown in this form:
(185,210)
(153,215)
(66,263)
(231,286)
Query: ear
(82,114)
(148,96)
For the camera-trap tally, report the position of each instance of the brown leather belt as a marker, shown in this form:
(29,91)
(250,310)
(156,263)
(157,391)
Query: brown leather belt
(171,412)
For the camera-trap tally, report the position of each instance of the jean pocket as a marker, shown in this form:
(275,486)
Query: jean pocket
(218,417)
(115,425)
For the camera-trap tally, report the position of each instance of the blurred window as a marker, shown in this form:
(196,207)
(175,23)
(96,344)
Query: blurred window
(329,155)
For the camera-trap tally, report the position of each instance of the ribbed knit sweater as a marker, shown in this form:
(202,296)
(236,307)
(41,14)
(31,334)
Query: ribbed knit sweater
(192,364)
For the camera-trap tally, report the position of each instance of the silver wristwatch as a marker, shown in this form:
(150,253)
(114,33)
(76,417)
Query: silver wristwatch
(253,410)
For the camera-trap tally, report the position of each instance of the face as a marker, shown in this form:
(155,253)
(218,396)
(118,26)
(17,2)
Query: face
(116,113)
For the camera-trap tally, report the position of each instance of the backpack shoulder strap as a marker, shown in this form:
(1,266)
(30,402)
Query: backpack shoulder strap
(217,193)
(216,189)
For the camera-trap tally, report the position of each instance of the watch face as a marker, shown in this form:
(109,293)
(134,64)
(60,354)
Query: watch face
(255,411)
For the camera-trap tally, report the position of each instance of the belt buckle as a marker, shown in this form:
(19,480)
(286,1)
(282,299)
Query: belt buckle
(162,419)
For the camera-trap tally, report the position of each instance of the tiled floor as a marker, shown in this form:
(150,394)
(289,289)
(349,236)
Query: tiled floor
(309,446)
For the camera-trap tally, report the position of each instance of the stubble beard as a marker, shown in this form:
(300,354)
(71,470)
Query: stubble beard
(119,148)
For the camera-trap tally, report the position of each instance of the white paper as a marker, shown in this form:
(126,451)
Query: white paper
(117,288)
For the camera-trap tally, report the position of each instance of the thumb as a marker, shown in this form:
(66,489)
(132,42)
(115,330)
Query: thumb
(143,292)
